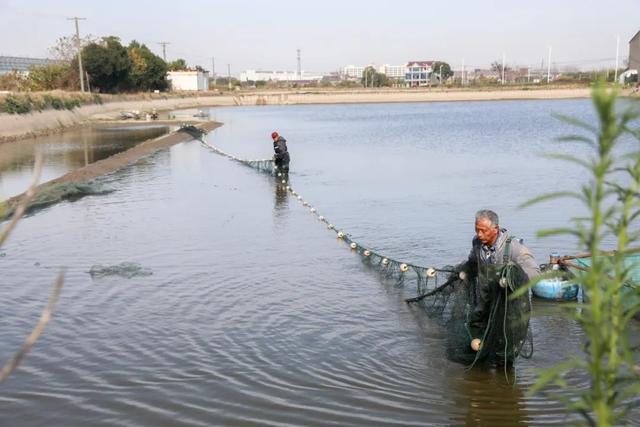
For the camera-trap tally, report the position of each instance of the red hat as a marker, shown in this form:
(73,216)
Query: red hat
(274,135)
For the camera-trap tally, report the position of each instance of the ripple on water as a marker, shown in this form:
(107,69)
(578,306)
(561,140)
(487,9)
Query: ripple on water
(255,314)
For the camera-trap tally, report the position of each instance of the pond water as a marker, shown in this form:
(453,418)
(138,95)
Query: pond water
(249,311)
(66,152)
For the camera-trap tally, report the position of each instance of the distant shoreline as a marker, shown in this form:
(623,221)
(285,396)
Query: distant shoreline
(17,127)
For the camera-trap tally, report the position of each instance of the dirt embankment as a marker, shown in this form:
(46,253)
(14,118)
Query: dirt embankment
(54,191)
(21,126)
(14,127)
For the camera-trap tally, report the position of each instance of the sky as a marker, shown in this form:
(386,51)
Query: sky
(264,35)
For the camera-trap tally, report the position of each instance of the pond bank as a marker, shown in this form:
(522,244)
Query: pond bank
(15,127)
(108,165)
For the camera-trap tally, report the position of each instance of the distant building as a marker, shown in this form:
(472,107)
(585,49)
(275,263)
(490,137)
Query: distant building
(278,76)
(189,80)
(634,52)
(418,73)
(393,71)
(352,72)
(9,64)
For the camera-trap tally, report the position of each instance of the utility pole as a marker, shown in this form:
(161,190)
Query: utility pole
(229,74)
(213,70)
(81,72)
(503,61)
(164,50)
(299,66)
(615,75)
(549,67)
(440,73)
(462,74)
(529,74)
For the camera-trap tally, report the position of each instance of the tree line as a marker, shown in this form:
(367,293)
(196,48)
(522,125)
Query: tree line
(109,67)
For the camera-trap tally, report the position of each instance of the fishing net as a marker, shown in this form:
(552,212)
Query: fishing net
(50,195)
(261,165)
(445,294)
(501,324)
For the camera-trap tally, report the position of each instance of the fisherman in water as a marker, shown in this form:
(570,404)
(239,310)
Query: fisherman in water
(281,157)
(492,247)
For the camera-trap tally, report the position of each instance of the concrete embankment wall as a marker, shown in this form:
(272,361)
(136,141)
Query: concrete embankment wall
(14,127)
(19,126)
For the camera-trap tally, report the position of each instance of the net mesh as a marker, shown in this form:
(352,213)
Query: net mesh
(446,294)
(262,165)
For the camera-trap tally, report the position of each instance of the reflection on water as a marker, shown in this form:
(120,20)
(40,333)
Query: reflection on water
(255,314)
(66,152)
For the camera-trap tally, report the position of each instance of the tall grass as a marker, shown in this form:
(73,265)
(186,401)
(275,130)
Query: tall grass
(612,197)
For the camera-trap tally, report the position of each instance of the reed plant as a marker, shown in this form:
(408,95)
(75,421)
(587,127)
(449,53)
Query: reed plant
(611,196)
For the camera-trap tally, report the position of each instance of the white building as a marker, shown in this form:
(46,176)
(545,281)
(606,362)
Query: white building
(188,80)
(278,76)
(352,72)
(393,71)
(418,73)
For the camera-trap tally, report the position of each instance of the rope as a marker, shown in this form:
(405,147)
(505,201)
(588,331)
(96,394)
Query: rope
(388,266)
(400,270)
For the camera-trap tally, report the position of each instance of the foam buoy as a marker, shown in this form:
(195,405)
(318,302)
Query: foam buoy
(353,245)
(299,197)
(462,275)
(321,218)
(476,344)
(288,188)
(305,204)
(404,267)
(294,192)
(340,234)
(330,226)
(503,282)
(312,210)
(385,261)
(366,253)
(284,182)
(431,272)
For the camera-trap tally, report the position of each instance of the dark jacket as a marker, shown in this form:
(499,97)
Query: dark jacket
(280,148)
(481,269)
(519,254)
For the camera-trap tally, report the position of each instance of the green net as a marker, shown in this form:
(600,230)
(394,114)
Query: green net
(50,195)
(262,165)
(447,295)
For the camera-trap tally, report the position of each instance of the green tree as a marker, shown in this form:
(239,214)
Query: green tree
(610,196)
(371,78)
(148,71)
(177,65)
(108,65)
(52,76)
(440,67)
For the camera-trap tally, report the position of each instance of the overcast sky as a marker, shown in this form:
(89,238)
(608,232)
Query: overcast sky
(265,34)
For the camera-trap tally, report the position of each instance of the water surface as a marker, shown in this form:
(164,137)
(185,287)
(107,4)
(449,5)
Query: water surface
(254,313)
(67,151)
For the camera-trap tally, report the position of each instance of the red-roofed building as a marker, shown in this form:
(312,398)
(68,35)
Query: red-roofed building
(418,73)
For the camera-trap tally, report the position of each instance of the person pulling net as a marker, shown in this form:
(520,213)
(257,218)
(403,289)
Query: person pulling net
(476,302)
(262,165)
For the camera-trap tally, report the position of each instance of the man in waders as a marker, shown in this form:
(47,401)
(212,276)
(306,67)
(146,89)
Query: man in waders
(281,157)
(492,248)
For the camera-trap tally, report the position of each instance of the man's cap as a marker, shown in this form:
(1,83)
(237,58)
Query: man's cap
(274,135)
